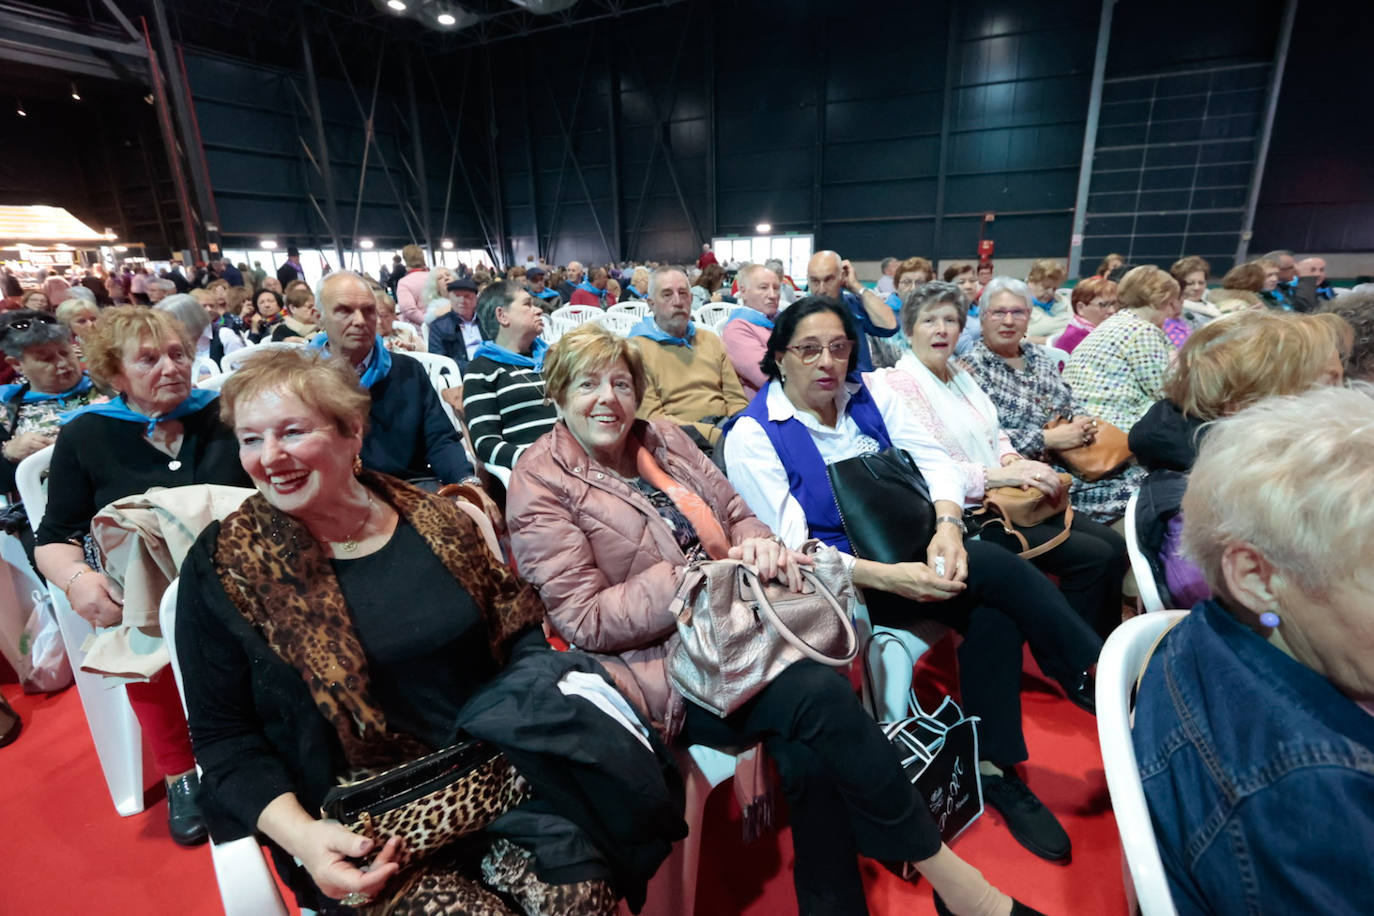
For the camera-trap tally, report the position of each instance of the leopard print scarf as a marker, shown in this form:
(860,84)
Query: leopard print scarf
(280,579)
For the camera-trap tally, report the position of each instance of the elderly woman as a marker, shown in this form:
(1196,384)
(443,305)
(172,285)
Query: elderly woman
(1226,366)
(411,289)
(948,402)
(158,432)
(264,634)
(79,316)
(1110,263)
(398,336)
(1357,309)
(638,287)
(301,320)
(814,413)
(965,277)
(605,513)
(1093,301)
(1118,372)
(268,312)
(1252,728)
(37,301)
(1192,274)
(1026,386)
(1048,315)
(436,293)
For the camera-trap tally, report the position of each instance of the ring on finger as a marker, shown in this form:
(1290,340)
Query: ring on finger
(355,898)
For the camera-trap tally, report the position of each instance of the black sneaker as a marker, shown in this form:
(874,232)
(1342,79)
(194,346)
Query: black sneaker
(183,814)
(1017,908)
(1029,821)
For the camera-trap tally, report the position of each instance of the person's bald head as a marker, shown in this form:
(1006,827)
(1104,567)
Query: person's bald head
(823,275)
(575,271)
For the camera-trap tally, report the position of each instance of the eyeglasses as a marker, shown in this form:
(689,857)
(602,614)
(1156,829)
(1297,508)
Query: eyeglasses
(809,353)
(1014,314)
(23,324)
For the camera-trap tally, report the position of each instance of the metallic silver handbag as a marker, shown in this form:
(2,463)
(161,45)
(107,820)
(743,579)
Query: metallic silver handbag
(735,634)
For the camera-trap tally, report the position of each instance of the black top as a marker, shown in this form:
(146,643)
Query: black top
(284,331)
(1164,439)
(426,654)
(409,434)
(99,459)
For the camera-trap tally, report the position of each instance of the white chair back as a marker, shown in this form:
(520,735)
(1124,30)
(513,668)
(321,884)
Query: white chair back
(576,314)
(620,322)
(203,367)
(30,480)
(636,307)
(214,382)
(1150,599)
(443,374)
(1117,669)
(713,314)
(232,361)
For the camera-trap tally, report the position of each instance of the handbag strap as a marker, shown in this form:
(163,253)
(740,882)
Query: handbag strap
(750,579)
(1027,552)
(1145,662)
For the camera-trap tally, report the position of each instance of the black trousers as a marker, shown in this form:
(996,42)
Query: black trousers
(1008,603)
(1090,566)
(846,791)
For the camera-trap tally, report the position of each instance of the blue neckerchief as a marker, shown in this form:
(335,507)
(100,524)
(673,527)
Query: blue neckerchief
(587,287)
(647,327)
(378,364)
(548,293)
(753,316)
(119,409)
(1048,307)
(894,302)
(7,392)
(499,354)
(631,288)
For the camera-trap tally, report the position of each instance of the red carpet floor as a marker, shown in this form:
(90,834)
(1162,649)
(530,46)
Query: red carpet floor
(65,851)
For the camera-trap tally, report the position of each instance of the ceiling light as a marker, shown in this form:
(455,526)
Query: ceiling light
(447,244)
(121,248)
(76,96)
(268,244)
(763,228)
(446,19)
(19,108)
(366,244)
(396,5)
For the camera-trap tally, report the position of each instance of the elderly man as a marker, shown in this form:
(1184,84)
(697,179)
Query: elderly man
(592,291)
(503,387)
(159,289)
(457,333)
(886,286)
(225,270)
(827,275)
(749,326)
(573,276)
(291,270)
(688,376)
(1316,267)
(409,435)
(535,281)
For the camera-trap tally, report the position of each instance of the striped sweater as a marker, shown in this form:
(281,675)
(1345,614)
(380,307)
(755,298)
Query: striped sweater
(505,410)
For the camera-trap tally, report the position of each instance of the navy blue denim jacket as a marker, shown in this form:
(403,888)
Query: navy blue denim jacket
(1259,775)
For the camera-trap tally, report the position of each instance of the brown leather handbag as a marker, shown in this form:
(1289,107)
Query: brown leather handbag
(1014,507)
(736,633)
(1108,453)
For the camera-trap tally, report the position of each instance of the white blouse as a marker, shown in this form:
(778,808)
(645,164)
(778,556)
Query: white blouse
(758,474)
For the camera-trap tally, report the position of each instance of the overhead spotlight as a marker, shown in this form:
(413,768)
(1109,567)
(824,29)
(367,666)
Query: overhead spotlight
(763,228)
(446,19)
(76,96)
(396,5)
(366,244)
(268,244)
(149,98)
(121,248)
(447,244)
(19,108)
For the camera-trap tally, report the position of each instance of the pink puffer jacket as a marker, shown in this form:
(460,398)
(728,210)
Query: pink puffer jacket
(605,563)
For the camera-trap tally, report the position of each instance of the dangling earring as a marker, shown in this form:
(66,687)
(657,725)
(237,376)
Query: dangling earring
(782,376)
(357,465)
(1270,619)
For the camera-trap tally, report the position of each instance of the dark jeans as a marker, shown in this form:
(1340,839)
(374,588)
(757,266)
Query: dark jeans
(1008,602)
(846,791)
(1090,566)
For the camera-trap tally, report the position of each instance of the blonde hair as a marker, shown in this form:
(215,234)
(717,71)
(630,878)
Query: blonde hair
(1190,264)
(1230,363)
(414,256)
(585,348)
(911,265)
(67,311)
(121,325)
(1287,476)
(1248,276)
(201,296)
(329,387)
(1146,287)
(1047,271)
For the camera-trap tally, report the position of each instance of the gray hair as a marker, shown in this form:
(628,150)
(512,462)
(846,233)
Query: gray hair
(184,308)
(80,292)
(932,295)
(775,265)
(167,286)
(658,273)
(1315,470)
(998,285)
(1357,308)
(70,307)
(885,263)
(324,293)
(745,275)
(496,295)
(40,331)
(1276,254)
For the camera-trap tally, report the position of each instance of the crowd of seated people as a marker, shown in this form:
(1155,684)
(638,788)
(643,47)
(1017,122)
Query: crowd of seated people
(610,439)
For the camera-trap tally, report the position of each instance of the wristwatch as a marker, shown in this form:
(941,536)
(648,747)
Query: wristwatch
(954,520)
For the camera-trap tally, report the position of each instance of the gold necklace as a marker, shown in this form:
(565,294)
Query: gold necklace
(350,544)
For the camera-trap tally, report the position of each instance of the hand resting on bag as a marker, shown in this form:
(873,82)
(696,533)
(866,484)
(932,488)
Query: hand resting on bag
(324,848)
(1077,432)
(772,560)
(1025,474)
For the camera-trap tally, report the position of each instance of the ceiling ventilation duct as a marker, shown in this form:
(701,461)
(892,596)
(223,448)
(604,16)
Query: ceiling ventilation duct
(545,7)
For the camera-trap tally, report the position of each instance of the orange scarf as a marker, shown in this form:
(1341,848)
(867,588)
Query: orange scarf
(709,532)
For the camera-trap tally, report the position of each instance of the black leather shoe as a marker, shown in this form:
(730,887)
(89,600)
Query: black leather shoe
(10,723)
(1029,821)
(183,814)
(1017,908)
(1081,690)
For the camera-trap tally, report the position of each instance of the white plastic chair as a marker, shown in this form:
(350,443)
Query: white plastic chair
(232,361)
(620,322)
(214,382)
(115,731)
(202,367)
(576,314)
(636,307)
(713,314)
(1150,599)
(443,374)
(1117,669)
(246,885)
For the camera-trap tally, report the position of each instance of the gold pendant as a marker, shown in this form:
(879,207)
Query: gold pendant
(349,546)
